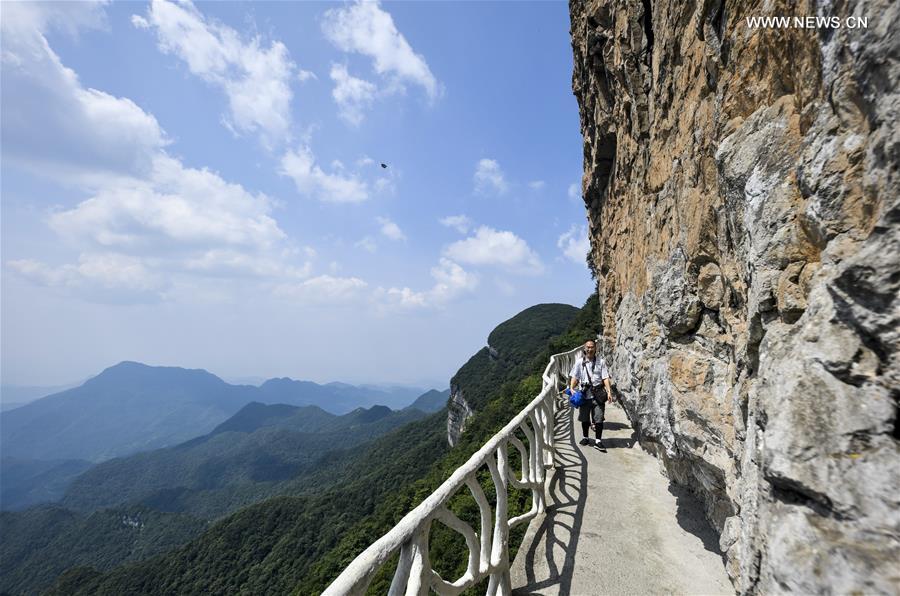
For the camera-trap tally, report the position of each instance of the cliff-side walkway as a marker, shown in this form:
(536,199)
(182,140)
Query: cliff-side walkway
(614,525)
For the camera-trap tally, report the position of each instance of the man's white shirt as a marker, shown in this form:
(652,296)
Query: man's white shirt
(596,369)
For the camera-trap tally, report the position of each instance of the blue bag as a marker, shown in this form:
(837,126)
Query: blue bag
(575,399)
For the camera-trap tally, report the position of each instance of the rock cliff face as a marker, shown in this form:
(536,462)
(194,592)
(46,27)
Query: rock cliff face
(743,196)
(458,411)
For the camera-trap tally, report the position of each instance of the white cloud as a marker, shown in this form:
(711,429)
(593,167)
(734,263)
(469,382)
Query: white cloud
(390,229)
(28,18)
(406,298)
(139,22)
(489,177)
(148,222)
(353,96)
(255,79)
(104,277)
(367,243)
(450,282)
(536,184)
(51,123)
(174,207)
(460,223)
(141,236)
(231,263)
(311,180)
(364,28)
(305,75)
(575,191)
(324,289)
(385,186)
(575,244)
(496,248)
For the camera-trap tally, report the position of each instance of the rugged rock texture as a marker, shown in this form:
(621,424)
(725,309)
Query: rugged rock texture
(743,196)
(458,411)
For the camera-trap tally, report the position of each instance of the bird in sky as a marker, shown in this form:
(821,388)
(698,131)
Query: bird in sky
(384,165)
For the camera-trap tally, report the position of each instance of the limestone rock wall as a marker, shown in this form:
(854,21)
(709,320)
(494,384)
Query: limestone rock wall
(743,197)
(458,411)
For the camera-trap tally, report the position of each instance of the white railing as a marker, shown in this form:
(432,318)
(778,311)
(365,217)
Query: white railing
(489,548)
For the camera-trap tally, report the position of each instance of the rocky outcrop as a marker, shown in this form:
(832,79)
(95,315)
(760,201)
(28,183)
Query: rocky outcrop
(458,411)
(743,197)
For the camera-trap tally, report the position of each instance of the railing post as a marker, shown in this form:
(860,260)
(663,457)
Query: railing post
(499,583)
(484,508)
(550,422)
(420,572)
(537,459)
(404,566)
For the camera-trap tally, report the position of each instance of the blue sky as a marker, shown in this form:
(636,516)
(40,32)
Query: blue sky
(200,185)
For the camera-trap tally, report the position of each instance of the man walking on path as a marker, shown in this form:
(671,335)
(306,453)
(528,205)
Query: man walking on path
(588,374)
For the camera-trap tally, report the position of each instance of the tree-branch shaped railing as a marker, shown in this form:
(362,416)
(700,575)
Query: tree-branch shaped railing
(488,548)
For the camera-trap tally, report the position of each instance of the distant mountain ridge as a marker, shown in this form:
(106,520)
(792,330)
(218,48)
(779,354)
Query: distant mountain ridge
(133,407)
(16,396)
(256,415)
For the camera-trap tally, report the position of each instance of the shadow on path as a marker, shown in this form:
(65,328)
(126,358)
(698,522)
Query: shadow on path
(691,518)
(618,442)
(565,513)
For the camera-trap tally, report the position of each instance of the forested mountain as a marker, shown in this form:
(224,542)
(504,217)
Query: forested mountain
(432,401)
(39,544)
(259,452)
(510,350)
(299,544)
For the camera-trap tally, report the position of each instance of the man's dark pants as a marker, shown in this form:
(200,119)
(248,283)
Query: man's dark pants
(598,408)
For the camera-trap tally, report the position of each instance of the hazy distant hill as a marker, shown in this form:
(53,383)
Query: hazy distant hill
(335,397)
(432,401)
(128,407)
(132,407)
(16,396)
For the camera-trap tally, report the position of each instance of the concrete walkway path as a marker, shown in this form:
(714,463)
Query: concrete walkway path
(614,525)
